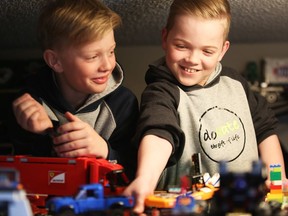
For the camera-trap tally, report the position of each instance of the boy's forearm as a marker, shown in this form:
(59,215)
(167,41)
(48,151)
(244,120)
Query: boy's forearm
(153,155)
(271,153)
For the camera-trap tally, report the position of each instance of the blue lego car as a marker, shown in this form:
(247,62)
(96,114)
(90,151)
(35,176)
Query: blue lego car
(90,198)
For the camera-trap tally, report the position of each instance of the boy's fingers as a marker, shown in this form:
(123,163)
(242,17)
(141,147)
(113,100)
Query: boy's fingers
(70,117)
(139,206)
(20,100)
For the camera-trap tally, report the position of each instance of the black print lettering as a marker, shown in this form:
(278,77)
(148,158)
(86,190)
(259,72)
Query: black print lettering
(211,136)
(221,144)
(213,146)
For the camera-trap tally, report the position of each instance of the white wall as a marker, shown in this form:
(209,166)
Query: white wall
(135,60)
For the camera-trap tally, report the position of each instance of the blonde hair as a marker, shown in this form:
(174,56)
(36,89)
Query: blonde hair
(74,22)
(206,9)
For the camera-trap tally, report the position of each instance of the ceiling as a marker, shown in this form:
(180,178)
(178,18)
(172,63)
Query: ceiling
(253,21)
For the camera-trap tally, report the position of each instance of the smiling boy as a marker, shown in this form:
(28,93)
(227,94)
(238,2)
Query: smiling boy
(192,104)
(79,94)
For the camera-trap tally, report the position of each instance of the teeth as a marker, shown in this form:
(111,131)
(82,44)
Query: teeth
(189,70)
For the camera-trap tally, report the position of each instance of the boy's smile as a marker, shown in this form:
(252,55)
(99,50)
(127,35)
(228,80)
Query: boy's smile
(193,48)
(190,70)
(85,70)
(100,80)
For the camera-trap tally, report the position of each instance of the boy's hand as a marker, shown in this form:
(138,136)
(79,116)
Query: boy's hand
(140,189)
(77,138)
(31,115)
(150,166)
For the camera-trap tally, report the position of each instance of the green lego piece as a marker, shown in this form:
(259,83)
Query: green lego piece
(275,176)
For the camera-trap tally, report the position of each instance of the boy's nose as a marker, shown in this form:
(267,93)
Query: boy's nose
(106,63)
(192,57)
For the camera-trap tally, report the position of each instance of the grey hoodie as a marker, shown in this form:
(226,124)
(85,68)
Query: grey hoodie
(223,121)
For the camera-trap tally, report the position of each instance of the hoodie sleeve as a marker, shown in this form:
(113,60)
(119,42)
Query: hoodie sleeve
(265,122)
(124,106)
(158,116)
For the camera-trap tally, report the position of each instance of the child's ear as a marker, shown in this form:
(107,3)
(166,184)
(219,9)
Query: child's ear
(52,60)
(225,47)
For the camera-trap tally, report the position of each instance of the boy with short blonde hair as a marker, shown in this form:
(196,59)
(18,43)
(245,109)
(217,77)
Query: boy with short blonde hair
(193,104)
(77,106)
(209,9)
(74,23)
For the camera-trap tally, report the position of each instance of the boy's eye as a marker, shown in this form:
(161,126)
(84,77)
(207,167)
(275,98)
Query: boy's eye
(208,52)
(92,57)
(112,52)
(180,46)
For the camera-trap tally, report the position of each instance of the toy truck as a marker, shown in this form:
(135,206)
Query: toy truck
(46,177)
(13,199)
(89,199)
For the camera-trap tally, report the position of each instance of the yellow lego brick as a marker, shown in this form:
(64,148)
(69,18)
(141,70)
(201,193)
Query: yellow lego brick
(276,197)
(276,169)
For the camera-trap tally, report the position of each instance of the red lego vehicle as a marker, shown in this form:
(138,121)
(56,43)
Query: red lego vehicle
(48,177)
